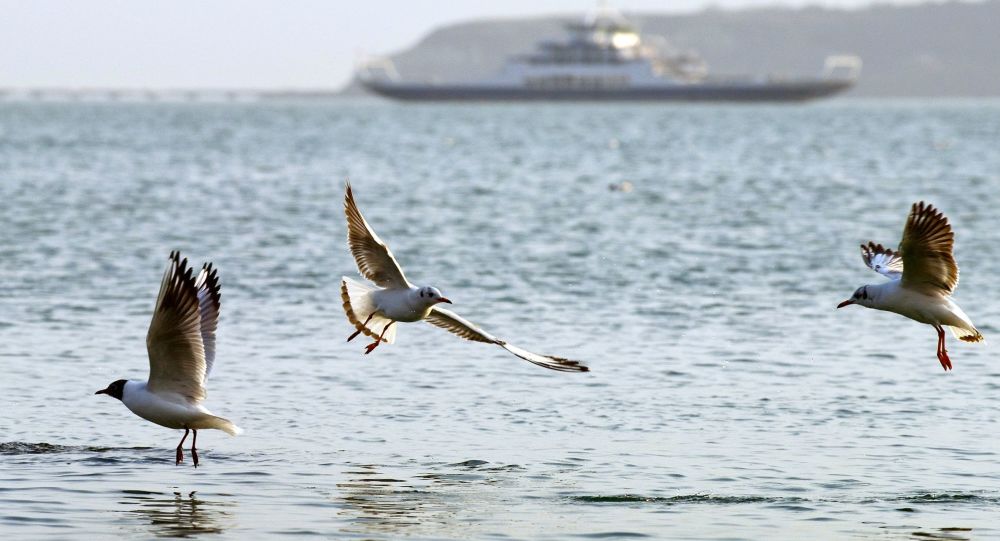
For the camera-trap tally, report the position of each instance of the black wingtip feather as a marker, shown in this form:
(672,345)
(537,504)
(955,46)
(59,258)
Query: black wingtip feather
(561,364)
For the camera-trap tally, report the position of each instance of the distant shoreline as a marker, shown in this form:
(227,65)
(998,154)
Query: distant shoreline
(171,95)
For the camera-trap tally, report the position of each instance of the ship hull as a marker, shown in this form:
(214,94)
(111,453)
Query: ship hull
(720,92)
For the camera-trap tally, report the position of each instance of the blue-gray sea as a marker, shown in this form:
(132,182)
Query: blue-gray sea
(728,398)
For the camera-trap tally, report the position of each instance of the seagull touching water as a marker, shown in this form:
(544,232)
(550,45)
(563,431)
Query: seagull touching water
(181,347)
(922,274)
(374,310)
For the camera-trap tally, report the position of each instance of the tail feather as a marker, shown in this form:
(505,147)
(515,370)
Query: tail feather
(224,425)
(359,306)
(967,335)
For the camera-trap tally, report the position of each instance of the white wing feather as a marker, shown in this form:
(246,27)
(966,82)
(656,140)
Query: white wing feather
(209,304)
(373,257)
(883,260)
(926,249)
(176,347)
(455,324)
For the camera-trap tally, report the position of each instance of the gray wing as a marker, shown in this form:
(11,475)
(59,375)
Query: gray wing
(454,323)
(209,303)
(174,342)
(927,251)
(373,257)
(883,260)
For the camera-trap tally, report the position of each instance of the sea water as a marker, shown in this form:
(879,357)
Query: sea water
(728,399)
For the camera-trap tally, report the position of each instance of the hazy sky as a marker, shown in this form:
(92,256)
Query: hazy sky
(244,43)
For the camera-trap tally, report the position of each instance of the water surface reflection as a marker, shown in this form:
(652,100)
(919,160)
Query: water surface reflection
(380,504)
(180,515)
(434,503)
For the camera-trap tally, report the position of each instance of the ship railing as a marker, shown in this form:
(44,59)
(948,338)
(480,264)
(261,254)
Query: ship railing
(842,66)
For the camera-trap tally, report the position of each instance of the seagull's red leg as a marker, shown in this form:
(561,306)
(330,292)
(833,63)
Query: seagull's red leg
(180,452)
(942,353)
(373,345)
(194,452)
(357,332)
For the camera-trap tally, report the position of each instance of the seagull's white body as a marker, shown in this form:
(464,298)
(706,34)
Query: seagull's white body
(172,410)
(374,309)
(929,309)
(401,304)
(181,348)
(923,274)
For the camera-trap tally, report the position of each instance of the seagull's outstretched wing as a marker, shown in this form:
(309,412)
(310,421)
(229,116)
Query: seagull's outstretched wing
(175,343)
(454,323)
(373,257)
(883,260)
(209,303)
(926,250)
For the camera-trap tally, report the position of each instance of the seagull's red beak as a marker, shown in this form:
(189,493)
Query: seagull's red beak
(444,299)
(102,391)
(845,303)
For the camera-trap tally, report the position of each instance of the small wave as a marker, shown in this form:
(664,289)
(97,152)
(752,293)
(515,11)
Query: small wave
(945,497)
(28,448)
(30,451)
(25,448)
(611,535)
(686,498)
(469,464)
(921,498)
(43,448)
(943,534)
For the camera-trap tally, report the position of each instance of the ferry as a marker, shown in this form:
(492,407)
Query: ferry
(605,58)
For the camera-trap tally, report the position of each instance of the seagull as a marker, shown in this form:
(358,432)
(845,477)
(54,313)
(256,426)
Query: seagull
(922,276)
(181,347)
(374,310)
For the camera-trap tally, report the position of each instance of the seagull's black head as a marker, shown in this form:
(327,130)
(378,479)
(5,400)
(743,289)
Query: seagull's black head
(431,295)
(116,389)
(861,296)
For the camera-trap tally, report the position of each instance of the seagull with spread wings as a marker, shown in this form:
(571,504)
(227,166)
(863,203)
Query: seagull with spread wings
(181,347)
(922,276)
(374,310)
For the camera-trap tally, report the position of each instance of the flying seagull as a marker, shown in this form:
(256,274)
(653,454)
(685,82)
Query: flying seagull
(181,347)
(922,276)
(374,310)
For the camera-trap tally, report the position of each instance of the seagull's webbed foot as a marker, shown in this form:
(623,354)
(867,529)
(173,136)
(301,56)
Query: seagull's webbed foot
(373,345)
(942,353)
(194,451)
(945,361)
(180,449)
